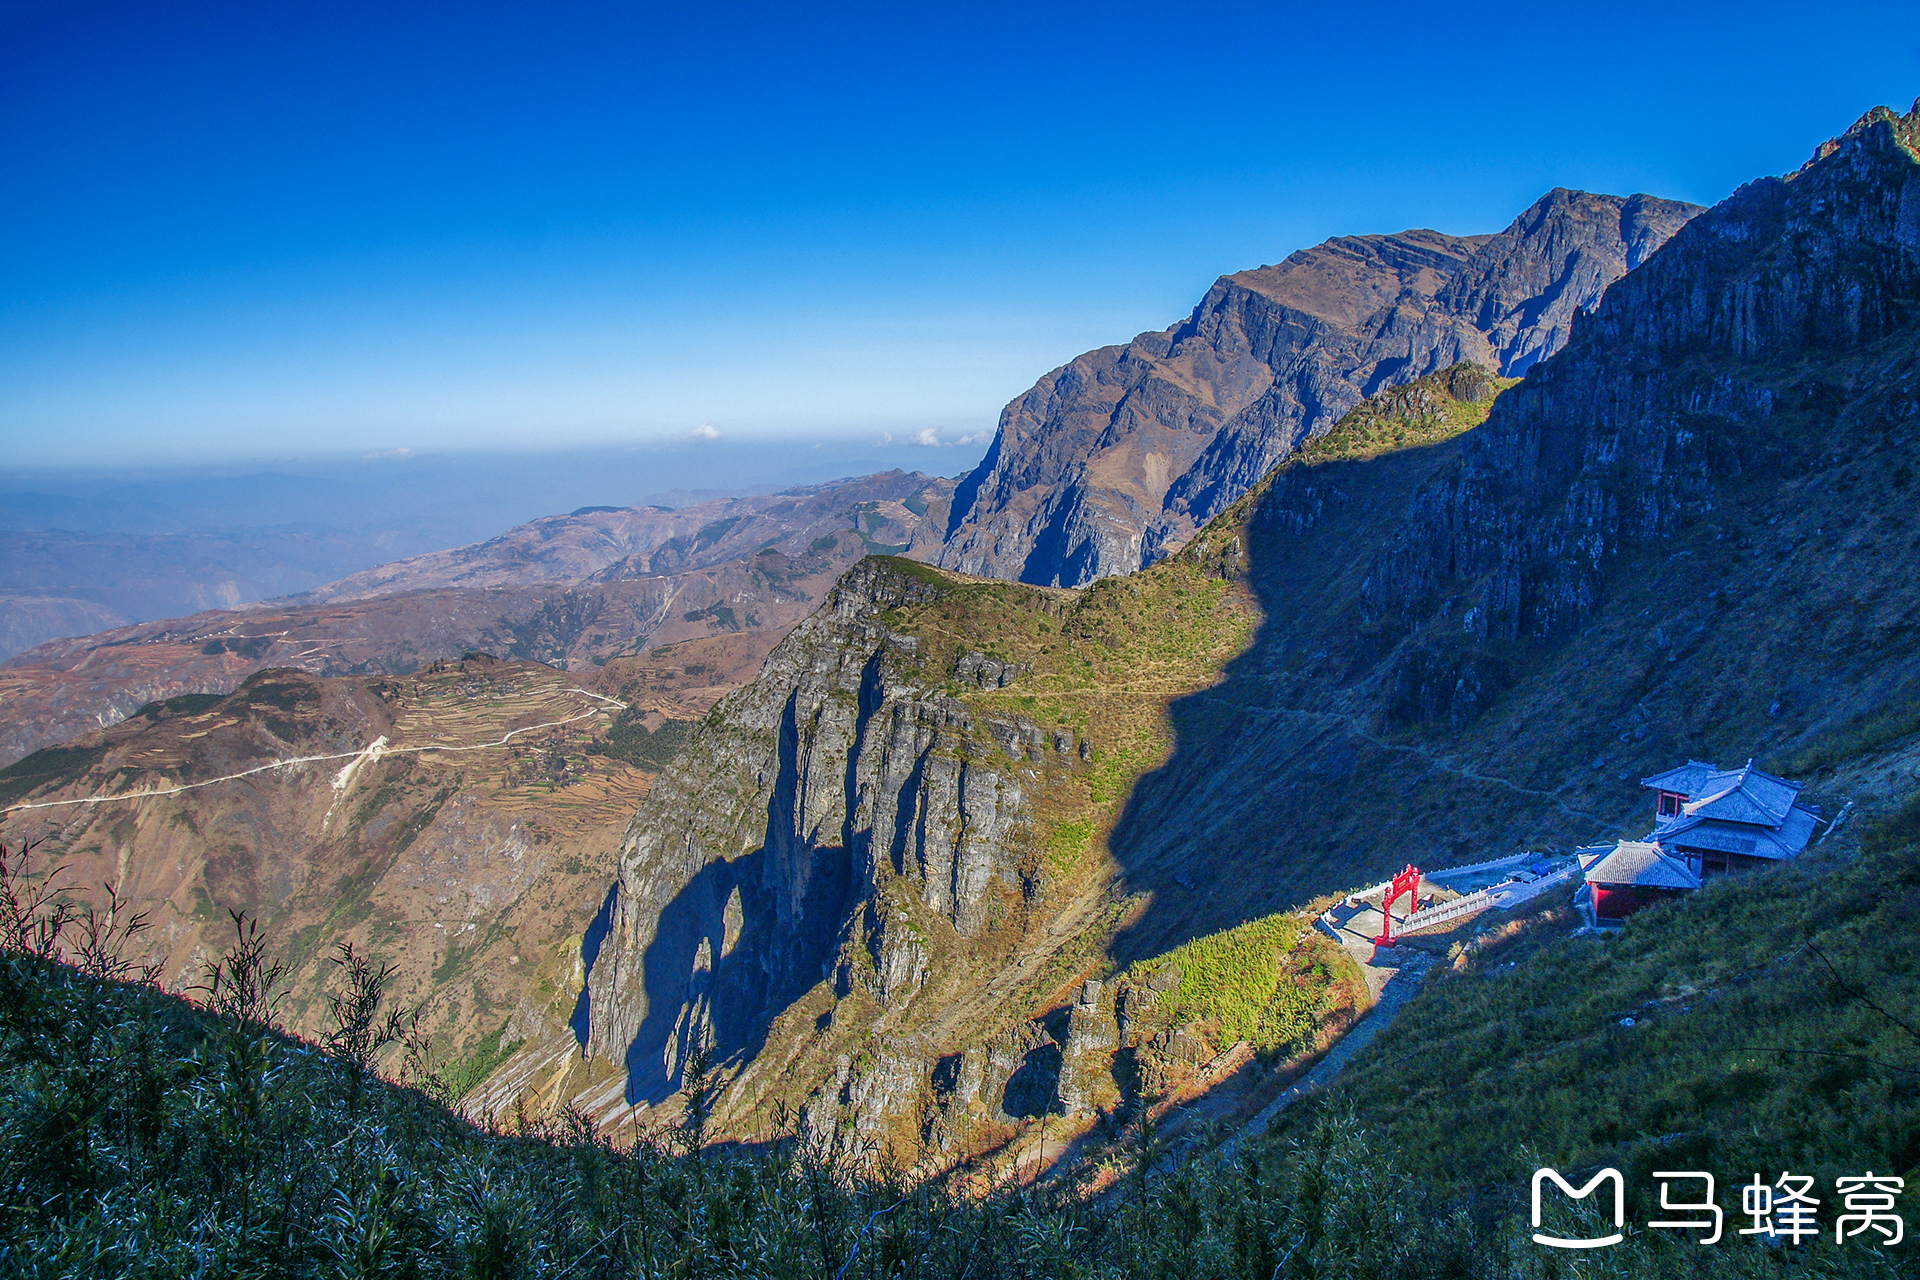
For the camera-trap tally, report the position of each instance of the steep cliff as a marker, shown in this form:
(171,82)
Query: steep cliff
(880,880)
(877,877)
(1679,385)
(824,817)
(1117,458)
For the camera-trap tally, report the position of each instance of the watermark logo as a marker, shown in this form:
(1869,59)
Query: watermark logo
(1784,1209)
(1619,1207)
(1704,1205)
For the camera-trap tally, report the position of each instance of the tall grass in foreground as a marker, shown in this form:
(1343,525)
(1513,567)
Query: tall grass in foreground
(144,1135)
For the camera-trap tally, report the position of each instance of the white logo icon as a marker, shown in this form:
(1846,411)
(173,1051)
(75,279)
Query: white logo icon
(1581,1193)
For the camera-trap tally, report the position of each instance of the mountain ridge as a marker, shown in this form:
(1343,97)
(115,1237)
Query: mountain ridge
(567,590)
(1120,455)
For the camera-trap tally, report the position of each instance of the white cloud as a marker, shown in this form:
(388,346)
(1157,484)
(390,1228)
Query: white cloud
(399,455)
(930,437)
(706,431)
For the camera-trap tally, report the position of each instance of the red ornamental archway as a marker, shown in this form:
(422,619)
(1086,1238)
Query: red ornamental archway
(1407,883)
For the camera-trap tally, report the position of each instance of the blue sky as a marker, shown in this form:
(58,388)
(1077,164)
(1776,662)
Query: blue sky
(261,231)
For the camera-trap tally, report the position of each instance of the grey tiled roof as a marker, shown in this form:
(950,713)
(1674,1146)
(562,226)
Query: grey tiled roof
(1756,840)
(1641,862)
(1685,779)
(1743,795)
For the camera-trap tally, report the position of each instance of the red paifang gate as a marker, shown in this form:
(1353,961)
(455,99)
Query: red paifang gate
(1406,883)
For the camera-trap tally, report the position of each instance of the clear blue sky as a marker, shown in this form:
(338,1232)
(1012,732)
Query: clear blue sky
(257,230)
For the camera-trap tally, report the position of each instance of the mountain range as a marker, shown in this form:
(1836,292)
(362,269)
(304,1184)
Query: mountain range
(577,591)
(1410,548)
(1114,460)
(920,862)
(1104,466)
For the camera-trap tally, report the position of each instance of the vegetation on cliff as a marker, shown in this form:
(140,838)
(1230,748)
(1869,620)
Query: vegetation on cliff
(971,749)
(1256,983)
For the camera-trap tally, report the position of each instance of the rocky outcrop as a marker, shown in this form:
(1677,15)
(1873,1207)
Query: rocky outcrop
(1086,1066)
(864,1098)
(1116,459)
(1660,399)
(846,803)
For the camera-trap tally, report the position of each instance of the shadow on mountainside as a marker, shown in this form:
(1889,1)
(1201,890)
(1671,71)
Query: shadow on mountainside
(1772,619)
(1279,786)
(730,953)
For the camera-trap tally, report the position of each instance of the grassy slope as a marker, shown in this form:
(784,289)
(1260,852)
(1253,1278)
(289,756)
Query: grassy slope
(141,1136)
(1255,983)
(1747,1053)
(509,841)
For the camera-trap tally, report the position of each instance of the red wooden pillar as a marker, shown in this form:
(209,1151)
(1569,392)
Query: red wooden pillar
(1407,883)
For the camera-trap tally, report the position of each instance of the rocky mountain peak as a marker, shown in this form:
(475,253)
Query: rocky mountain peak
(1903,131)
(1114,460)
(1523,287)
(1349,278)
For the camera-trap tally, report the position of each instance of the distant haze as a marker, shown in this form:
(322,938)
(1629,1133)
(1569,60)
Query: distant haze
(430,501)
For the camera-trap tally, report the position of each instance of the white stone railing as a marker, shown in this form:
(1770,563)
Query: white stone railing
(1526,892)
(1488,865)
(1472,902)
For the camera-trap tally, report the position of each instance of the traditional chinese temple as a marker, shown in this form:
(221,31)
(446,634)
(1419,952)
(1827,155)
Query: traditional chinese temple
(1633,874)
(1707,821)
(1719,820)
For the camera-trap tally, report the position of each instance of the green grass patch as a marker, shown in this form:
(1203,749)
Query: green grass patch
(1118,767)
(912,568)
(1254,982)
(467,1075)
(1067,845)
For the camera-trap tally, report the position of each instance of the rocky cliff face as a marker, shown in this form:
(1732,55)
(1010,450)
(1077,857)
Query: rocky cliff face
(818,824)
(1116,459)
(1665,395)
